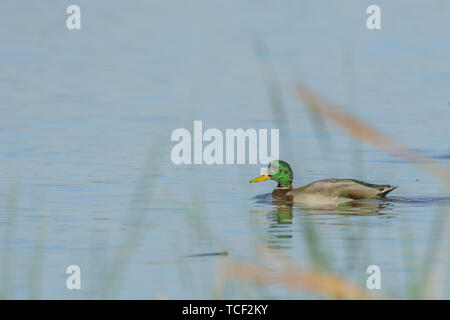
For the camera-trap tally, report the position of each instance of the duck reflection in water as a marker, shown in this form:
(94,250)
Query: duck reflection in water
(281,215)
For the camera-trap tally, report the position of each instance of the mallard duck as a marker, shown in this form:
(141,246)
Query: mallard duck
(329,191)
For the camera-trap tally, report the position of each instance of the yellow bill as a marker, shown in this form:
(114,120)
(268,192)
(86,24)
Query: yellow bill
(264,176)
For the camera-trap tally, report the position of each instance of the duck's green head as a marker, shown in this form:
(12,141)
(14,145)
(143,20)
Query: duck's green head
(280,171)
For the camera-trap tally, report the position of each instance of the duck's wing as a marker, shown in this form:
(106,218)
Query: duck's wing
(346,188)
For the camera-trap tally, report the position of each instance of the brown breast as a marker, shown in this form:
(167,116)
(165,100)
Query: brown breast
(281,194)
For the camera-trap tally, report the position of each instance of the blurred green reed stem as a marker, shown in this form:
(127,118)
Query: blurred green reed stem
(196,219)
(272,84)
(349,77)
(356,249)
(431,264)
(414,284)
(184,271)
(7,290)
(137,215)
(275,95)
(98,257)
(317,252)
(321,133)
(37,258)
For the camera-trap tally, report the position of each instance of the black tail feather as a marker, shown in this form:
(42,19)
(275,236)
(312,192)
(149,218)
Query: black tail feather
(387,190)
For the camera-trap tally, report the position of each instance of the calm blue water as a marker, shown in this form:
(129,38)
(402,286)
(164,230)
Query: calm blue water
(86,119)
